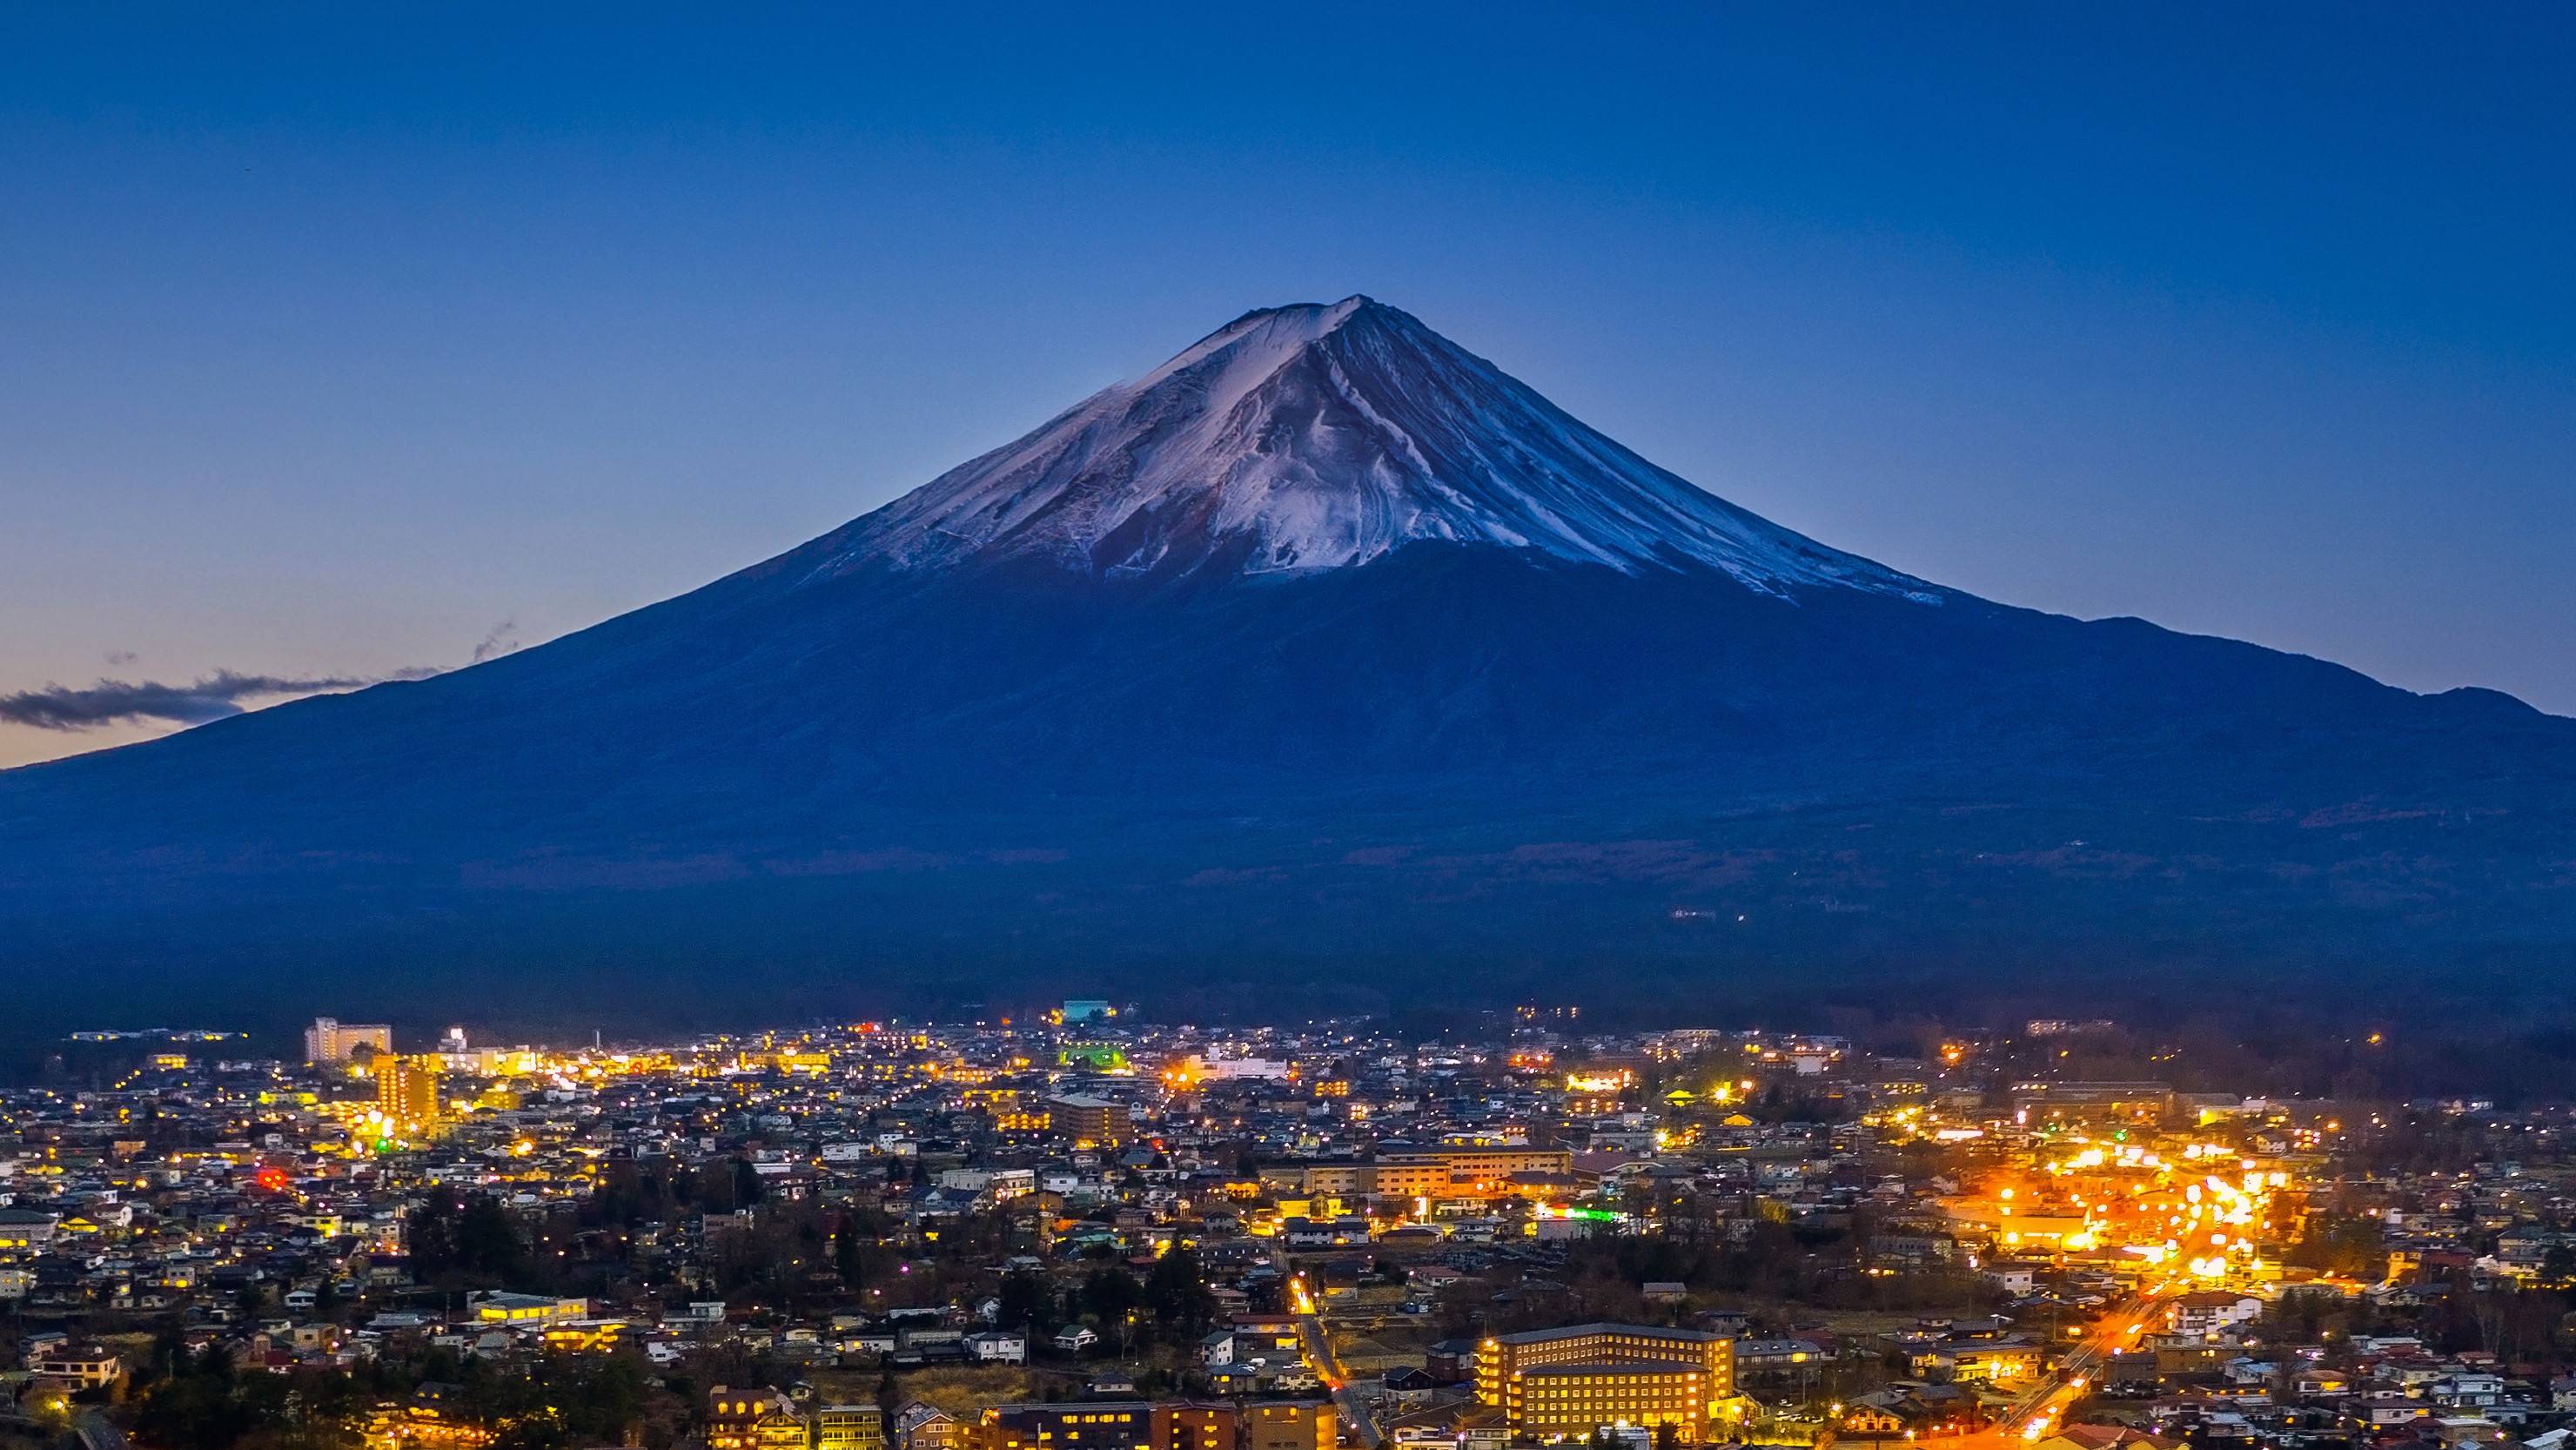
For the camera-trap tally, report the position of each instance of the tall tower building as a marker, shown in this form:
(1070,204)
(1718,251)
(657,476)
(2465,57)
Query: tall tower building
(407,1089)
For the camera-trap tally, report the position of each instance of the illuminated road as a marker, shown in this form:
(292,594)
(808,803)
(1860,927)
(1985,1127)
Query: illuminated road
(1318,1346)
(2042,1407)
(2192,1227)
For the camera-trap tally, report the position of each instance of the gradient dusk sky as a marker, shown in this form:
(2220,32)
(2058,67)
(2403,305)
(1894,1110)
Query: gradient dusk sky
(339,339)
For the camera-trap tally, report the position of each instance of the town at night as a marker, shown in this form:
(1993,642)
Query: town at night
(1096,1229)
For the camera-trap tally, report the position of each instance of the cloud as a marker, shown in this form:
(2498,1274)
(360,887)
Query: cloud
(118,659)
(108,702)
(503,639)
(209,697)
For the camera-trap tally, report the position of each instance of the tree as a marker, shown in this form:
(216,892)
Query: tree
(203,1405)
(1027,1301)
(487,1240)
(1109,1293)
(430,1233)
(2558,1265)
(1177,1292)
(846,1260)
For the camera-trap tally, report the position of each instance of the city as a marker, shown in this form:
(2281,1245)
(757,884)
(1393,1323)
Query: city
(1098,1230)
(1444,726)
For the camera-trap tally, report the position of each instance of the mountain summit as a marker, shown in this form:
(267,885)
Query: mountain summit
(1320,436)
(1323,666)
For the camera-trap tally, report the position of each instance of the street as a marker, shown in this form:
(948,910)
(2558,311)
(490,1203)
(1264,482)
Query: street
(1318,1344)
(2041,1408)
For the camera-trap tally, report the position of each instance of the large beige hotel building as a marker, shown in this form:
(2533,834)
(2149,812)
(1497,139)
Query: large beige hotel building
(1569,1382)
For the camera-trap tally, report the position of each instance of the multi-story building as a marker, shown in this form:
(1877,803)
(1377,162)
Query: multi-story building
(849,1427)
(1232,1425)
(1569,1382)
(77,1367)
(1399,1171)
(1085,1118)
(1288,1425)
(1195,1425)
(330,1042)
(1073,1425)
(407,1089)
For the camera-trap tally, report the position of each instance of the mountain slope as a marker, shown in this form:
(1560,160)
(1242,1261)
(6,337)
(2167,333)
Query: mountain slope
(1326,657)
(1312,437)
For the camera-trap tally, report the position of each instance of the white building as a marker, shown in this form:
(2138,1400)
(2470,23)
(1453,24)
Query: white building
(998,1346)
(331,1042)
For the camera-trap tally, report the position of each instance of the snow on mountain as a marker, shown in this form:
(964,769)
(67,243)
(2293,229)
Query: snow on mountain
(1316,437)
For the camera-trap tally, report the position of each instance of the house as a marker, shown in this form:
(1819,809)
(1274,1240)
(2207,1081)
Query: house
(2323,1384)
(1991,1361)
(2379,1412)
(2015,1279)
(1754,1356)
(2210,1311)
(923,1426)
(998,1346)
(1074,1339)
(1451,1361)
(868,1341)
(1409,1387)
(1866,1422)
(2467,1390)
(22,1228)
(1235,1379)
(75,1367)
(1306,1233)
(748,1419)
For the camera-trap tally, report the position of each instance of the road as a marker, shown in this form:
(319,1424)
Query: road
(2043,1406)
(1317,1343)
(97,1432)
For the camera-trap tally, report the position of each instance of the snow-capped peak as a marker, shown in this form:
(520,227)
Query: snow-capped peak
(1319,437)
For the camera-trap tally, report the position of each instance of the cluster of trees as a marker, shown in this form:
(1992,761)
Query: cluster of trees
(470,1241)
(2518,1325)
(630,1195)
(2350,1244)
(203,1401)
(1171,1302)
(790,1253)
(1706,1245)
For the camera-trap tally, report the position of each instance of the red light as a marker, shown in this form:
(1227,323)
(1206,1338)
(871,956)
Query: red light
(272,1178)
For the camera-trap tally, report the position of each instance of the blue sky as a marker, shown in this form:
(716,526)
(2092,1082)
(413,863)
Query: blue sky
(334,340)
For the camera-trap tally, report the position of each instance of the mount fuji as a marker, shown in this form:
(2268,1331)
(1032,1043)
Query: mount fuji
(1324,665)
